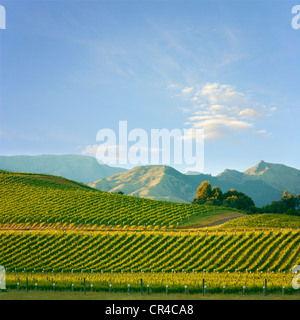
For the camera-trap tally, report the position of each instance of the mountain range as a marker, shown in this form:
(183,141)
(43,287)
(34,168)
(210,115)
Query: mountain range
(264,182)
(74,167)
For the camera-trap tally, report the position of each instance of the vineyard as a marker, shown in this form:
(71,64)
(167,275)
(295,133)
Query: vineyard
(264,221)
(39,202)
(151,282)
(148,251)
(61,235)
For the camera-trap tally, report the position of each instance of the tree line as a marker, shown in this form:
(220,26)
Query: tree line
(207,195)
(215,197)
(288,204)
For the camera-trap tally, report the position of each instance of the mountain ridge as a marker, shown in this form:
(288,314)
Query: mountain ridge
(264,182)
(80,168)
(259,169)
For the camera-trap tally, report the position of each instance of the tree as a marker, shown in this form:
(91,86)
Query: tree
(297,203)
(214,196)
(285,195)
(204,192)
(232,201)
(119,192)
(238,200)
(288,204)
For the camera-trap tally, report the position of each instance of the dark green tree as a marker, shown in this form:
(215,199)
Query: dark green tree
(238,200)
(204,192)
(288,204)
(297,204)
(215,197)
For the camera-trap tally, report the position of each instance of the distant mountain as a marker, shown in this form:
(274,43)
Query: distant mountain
(192,173)
(279,176)
(264,183)
(74,167)
(153,182)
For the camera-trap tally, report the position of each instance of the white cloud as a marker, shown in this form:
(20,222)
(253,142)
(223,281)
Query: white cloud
(221,109)
(249,113)
(90,149)
(217,93)
(172,86)
(107,154)
(115,154)
(187,90)
(261,132)
(218,126)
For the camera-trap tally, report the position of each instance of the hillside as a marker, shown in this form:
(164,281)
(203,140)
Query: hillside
(279,176)
(152,182)
(264,221)
(264,183)
(33,201)
(20,180)
(75,167)
(58,234)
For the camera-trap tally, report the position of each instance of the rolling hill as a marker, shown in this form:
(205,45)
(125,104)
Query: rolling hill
(35,201)
(75,167)
(264,221)
(264,183)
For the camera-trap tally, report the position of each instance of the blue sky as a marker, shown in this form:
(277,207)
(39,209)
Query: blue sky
(71,68)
